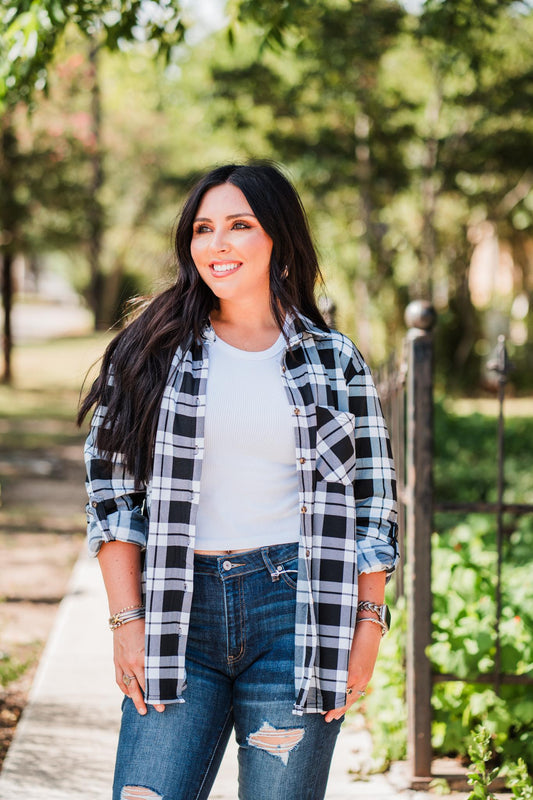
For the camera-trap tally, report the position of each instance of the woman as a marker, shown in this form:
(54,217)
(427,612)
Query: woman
(241,504)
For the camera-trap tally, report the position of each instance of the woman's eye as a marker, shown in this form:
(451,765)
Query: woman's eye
(201,229)
(240,225)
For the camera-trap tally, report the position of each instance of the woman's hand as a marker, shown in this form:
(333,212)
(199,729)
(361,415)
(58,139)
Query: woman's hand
(128,651)
(120,563)
(363,657)
(365,643)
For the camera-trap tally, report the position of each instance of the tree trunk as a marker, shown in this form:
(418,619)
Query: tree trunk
(7,303)
(430,190)
(95,214)
(9,210)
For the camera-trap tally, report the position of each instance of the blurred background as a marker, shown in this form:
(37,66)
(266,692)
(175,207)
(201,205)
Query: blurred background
(407,129)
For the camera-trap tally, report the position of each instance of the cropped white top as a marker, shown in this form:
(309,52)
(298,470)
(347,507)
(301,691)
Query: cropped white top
(249,483)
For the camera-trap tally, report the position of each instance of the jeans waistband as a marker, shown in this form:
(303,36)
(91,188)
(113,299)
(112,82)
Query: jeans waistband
(237,564)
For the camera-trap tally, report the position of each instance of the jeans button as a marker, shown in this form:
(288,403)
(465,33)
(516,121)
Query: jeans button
(227,565)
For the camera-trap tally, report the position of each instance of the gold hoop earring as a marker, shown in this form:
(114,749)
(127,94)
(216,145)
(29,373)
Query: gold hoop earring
(284,273)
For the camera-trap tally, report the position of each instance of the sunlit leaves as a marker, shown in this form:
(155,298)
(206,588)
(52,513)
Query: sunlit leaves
(30,33)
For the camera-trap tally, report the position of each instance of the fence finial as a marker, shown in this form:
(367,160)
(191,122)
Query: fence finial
(420,314)
(499,363)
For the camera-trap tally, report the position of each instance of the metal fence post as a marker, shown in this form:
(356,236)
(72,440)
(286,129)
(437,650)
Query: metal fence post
(420,317)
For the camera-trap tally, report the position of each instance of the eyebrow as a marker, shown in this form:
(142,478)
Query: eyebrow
(230,216)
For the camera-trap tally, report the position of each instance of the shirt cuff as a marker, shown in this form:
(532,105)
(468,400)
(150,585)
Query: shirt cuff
(377,552)
(127,525)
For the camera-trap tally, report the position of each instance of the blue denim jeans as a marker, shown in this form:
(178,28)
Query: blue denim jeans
(240,673)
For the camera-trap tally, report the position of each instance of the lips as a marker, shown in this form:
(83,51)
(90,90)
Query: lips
(223,268)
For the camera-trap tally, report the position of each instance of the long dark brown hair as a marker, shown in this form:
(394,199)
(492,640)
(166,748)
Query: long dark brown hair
(136,363)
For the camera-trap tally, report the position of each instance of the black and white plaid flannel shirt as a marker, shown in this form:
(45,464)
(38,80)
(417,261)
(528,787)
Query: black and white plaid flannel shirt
(347,500)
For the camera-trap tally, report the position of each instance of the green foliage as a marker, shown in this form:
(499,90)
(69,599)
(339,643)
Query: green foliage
(464,585)
(519,781)
(465,468)
(10,669)
(480,752)
(480,776)
(405,145)
(464,607)
(31,31)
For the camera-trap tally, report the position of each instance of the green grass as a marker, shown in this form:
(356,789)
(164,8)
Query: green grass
(48,378)
(37,419)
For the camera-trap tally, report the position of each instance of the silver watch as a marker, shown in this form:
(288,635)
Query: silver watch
(383,612)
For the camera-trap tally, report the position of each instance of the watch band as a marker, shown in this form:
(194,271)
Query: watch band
(383,612)
(384,628)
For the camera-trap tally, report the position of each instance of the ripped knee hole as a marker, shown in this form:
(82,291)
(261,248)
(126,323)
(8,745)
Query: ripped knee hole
(276,741)
(138,793)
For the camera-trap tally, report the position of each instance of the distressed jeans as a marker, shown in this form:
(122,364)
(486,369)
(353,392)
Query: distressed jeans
(240,674)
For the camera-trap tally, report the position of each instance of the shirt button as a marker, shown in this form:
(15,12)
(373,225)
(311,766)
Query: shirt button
(302,461)
(94,504)
(307,553)
(227,565)
(304,509)
(296,411)
(284,369)
(197,401)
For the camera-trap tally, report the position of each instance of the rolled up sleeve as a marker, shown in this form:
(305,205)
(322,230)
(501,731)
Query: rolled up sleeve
(116,509)
(375,477)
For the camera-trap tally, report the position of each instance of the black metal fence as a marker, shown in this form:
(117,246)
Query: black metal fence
(405,386)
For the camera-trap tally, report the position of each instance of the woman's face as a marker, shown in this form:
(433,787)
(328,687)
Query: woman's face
(229,247)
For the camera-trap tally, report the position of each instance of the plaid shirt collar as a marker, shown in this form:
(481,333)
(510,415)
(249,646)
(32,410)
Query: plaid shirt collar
(296,327)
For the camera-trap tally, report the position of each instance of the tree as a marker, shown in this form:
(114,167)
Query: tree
(30,31)
(409,129)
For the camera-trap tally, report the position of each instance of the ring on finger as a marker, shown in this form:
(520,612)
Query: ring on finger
(127,679)
(360,692)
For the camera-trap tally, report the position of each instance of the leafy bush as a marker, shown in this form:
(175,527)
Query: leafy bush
(464,607)
(464,576)
(481,776)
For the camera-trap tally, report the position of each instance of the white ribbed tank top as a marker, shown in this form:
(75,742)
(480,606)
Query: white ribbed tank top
(249,483)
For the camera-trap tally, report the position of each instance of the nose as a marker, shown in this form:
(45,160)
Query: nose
(219,241)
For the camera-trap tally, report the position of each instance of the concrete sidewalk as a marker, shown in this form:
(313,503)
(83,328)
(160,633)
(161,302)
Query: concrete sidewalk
(65,743)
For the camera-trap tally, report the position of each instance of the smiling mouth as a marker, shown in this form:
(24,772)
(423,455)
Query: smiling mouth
(225,268)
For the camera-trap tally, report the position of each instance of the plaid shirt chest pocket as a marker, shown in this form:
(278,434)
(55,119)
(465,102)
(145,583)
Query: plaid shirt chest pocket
(335,445)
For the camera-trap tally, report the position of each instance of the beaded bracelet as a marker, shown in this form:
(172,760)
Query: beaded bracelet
(125,615)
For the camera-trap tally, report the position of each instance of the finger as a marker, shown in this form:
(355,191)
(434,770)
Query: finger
(119,678)
(336,713)
(137,695)
(159,707)
(131,686)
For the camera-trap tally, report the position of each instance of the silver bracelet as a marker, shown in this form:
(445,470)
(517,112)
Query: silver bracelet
(125,616)
(367,605)
(381,624)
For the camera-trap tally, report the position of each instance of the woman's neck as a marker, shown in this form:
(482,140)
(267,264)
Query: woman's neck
(245,328)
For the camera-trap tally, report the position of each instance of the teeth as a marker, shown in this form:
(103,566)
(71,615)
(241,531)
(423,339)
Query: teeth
(224,267)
